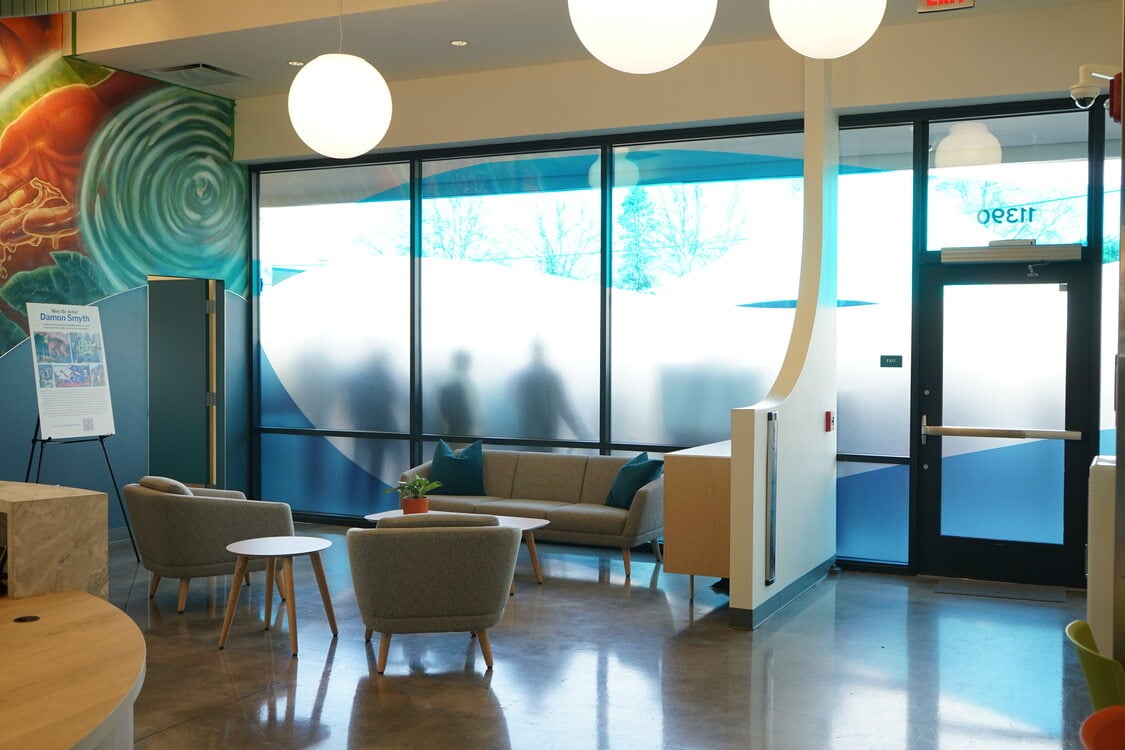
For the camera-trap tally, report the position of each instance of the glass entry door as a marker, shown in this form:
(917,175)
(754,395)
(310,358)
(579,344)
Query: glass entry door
(1005,433)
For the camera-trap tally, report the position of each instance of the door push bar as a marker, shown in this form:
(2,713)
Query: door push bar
(997,432)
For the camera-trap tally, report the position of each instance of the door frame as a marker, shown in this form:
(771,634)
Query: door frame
(186,366)
(1023,562)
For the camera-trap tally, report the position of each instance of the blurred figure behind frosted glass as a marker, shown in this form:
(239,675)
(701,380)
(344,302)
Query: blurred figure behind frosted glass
(456,398)
(372,397)
(541,402)
(372,401)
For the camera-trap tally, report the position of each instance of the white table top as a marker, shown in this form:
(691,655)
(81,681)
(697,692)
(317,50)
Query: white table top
(278,546)
(518,522)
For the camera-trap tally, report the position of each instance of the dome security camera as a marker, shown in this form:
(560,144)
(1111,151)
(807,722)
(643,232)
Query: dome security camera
(1092,78)
(1085,94)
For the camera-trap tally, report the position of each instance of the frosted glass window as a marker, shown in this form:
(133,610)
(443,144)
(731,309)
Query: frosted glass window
(874,291)
(873,512)
(1005,356)
(1038,192)
(1004,366)
(334,330)
(332,475)
(428,448)
(706,258)
(511,296)
(334,306)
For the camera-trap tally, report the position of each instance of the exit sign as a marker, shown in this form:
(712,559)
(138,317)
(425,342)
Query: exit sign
(929,6)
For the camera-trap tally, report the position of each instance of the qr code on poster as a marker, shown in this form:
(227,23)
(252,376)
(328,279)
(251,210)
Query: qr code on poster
(87,424)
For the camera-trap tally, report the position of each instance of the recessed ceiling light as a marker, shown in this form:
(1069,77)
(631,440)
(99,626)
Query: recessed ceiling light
(458,43)
(296,63)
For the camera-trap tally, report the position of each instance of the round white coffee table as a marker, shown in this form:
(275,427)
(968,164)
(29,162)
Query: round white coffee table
(274,548)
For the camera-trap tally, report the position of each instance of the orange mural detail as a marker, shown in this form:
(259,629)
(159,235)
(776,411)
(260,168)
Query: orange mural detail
(44,142)
(40,156)
(26,40)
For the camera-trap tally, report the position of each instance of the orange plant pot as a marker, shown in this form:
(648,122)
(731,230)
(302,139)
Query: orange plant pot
(415,505)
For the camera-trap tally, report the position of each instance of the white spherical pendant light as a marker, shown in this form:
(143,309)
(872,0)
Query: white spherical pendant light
(642,36)
(826,29)
(340,105)
(968,144)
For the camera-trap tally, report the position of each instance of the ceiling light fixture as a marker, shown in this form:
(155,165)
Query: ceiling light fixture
(339,104)
(968,144)
(642,36)
(458,43)
(826,29)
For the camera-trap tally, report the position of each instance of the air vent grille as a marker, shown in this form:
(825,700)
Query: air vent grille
(195,75)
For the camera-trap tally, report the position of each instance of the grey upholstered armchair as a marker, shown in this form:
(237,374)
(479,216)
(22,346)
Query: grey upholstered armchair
(432,573)
(183,533)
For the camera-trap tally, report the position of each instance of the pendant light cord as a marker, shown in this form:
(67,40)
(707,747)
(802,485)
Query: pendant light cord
(341,20)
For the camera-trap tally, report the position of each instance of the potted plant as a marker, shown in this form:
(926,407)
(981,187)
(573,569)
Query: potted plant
(412,493)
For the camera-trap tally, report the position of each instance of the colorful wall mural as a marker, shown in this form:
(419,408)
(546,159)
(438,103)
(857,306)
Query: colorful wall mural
(106,178)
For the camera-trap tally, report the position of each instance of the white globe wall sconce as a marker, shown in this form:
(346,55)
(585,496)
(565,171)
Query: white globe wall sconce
(826,29)
(642,36)
(968,144)
(340,105)
(625,171)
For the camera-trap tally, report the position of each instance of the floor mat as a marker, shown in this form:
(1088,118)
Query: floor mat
(1001,590)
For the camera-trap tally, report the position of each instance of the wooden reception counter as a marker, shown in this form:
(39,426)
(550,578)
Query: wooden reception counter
(697,510)
(70,677)
(57,539)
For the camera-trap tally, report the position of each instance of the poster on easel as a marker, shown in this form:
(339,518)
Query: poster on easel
(71,380)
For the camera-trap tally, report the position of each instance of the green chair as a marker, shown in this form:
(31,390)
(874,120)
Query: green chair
(1105,677)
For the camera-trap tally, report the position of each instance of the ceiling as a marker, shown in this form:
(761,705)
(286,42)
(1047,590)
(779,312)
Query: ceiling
(412,41)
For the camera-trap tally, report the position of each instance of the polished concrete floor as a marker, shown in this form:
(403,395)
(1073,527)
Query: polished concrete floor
(590,659)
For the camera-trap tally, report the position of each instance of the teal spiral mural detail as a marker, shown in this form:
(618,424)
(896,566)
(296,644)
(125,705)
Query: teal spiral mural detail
(159,194)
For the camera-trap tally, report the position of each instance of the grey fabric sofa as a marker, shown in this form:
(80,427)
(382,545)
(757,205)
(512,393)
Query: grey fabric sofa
(432,573)
(183,533)
(567,490)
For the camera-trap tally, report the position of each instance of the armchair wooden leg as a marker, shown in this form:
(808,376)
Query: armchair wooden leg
(367,635)
(625,557)
(656,550)
(181,604)
(485,647)
(247,579)
(152,584)
(384,649)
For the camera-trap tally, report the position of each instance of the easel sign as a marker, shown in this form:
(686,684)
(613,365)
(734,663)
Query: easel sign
(71,380)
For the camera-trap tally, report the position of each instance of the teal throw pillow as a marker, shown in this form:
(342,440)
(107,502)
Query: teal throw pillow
(631,477)
(460,472)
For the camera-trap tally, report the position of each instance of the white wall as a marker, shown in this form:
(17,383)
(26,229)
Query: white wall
(804,390)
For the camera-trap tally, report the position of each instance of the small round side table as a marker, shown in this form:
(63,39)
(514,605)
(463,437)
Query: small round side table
(274,548)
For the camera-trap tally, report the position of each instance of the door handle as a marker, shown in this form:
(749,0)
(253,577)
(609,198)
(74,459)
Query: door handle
(996,432)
